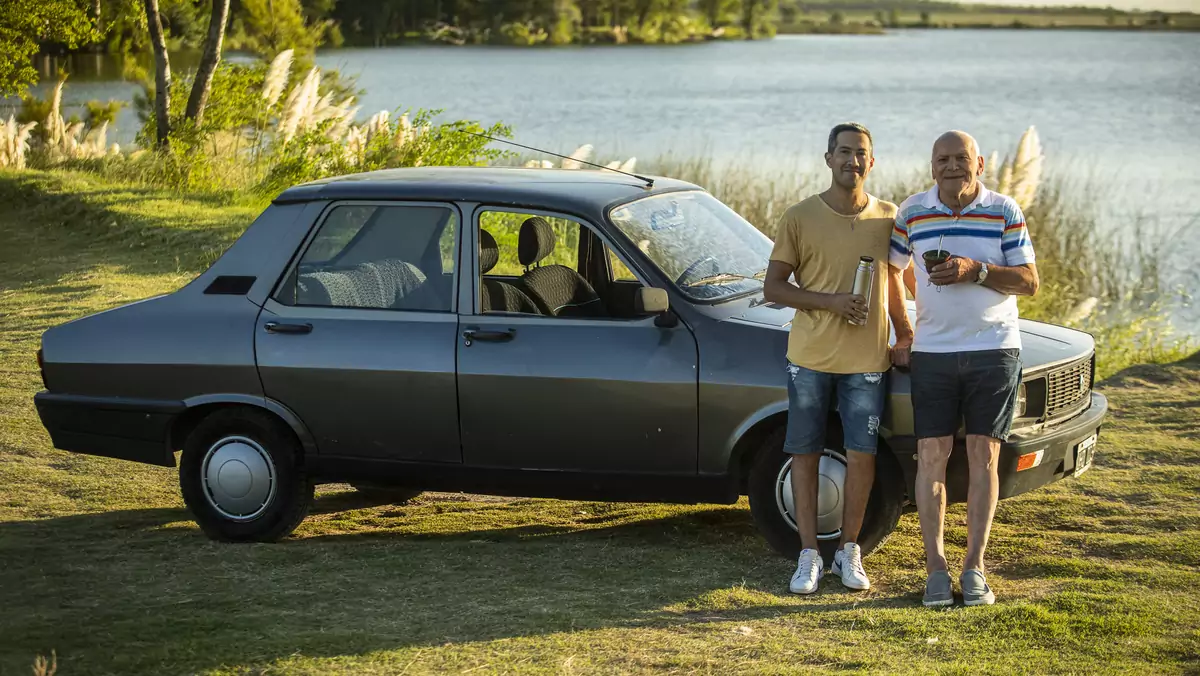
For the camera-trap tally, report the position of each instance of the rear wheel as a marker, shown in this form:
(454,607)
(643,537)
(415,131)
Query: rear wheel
(771,503)
(241,478)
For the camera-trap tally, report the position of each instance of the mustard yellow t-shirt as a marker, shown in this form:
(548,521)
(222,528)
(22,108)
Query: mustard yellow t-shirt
(824,247)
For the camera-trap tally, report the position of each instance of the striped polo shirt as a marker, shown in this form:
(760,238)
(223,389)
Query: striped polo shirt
(966,316)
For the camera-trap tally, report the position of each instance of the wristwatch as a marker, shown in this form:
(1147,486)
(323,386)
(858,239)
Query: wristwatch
(982,273)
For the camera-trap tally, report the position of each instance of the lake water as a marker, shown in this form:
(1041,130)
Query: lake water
(1122,109)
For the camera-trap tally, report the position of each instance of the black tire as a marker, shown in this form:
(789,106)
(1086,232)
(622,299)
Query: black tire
(387,494)
(293,490)
(883,507)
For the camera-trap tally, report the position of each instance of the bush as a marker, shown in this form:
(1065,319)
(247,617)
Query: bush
(317,153)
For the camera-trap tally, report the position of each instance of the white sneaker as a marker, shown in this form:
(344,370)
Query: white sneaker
(847,563)
(808,573)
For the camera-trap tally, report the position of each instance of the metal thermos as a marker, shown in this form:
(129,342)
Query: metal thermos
(863,276)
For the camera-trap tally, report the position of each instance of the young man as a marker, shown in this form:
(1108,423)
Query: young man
(839,341)
(966,361)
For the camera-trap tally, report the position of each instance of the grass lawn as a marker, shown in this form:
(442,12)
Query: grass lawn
(102,565)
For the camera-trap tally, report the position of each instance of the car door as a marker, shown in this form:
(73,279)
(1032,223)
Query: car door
(604,394)
(359,338)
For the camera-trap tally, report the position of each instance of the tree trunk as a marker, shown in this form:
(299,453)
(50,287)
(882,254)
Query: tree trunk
(208,62)
(162,74)
(97,19)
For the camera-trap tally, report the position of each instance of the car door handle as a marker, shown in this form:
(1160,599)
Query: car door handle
(472,335)
(276,327)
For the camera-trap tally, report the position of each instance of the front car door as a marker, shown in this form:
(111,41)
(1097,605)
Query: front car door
(590,392)
(359,338)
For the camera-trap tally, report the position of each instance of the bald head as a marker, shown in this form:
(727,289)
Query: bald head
(956,165)
(957,139)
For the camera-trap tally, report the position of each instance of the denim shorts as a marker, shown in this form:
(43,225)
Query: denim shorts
(860,399)
(978,389)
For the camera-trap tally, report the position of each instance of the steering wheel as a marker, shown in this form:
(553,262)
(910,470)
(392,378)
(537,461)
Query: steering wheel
(692,269)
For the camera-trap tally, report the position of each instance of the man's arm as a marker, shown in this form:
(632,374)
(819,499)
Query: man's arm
(898,311)
(777,289)
(1015,280)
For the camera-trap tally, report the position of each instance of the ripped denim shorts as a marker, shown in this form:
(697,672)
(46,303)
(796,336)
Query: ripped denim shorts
(860,398)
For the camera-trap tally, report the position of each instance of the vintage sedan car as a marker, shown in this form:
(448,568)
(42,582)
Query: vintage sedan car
(509,331)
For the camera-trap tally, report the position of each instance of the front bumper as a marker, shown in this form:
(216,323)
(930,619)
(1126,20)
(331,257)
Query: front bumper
(129,429)
(1058,445)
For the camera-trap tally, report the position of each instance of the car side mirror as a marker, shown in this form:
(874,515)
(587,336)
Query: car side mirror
(651,301)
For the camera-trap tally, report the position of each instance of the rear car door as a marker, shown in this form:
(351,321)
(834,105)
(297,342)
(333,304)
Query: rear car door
(359,338)
(591,388)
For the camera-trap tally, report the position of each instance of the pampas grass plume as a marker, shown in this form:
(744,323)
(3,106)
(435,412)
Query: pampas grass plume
(277,76)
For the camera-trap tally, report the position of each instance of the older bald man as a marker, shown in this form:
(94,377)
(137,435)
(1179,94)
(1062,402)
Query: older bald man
(966,356)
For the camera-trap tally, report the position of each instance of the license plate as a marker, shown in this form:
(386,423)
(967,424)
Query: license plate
(1084,453)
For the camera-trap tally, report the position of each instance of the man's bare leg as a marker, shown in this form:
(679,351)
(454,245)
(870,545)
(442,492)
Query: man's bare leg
(860,476)
(930,488)
(984,489)
(804,496)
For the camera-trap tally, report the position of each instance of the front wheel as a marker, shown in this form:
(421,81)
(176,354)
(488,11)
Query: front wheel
(771,503)
(241,478)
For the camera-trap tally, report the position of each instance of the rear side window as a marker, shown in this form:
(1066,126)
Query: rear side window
(380,257)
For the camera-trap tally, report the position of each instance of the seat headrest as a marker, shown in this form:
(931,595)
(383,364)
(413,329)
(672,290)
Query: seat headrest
(489,252)
(536,241)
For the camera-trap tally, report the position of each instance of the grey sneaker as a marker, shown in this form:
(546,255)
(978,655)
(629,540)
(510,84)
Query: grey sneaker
(975,589)
(938,590)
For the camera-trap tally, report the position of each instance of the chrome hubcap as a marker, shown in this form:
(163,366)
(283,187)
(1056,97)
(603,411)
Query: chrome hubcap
(831,483)
(239,478)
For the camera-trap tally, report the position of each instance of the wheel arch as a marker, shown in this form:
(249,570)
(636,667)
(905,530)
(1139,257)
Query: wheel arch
(198,408)
(755,431)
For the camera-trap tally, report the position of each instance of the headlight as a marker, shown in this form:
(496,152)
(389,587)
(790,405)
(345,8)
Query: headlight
(1019,407)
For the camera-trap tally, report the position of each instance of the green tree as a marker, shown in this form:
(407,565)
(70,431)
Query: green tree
(25,25)
(566,23)
(268,27)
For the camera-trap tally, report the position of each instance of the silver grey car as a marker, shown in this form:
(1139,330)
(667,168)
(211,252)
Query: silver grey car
(526,332)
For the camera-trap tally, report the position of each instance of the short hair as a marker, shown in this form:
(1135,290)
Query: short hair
(849,126)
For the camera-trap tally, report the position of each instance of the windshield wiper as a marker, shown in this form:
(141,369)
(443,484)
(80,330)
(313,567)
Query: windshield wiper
(722,278)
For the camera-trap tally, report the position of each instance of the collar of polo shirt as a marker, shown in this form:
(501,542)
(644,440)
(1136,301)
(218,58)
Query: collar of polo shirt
(930,200)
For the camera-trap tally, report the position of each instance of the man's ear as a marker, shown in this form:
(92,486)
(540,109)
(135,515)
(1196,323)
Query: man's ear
(829,160)
(981,167)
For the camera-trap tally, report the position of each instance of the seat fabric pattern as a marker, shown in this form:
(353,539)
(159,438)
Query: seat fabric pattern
(377,284)
(562,292)
(496,295)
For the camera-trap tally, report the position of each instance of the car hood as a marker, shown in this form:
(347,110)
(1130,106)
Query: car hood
(1041,344)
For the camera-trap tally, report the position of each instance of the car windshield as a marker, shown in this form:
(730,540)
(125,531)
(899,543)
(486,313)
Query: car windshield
(706,248)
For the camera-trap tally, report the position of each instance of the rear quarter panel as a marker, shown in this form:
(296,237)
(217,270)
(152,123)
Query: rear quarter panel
(185,344)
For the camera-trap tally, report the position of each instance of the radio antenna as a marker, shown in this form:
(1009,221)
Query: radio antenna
(648,181)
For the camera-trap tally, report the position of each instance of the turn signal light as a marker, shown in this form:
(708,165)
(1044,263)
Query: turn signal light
(1029,460)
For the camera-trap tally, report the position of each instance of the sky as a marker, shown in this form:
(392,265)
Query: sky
(1165,5)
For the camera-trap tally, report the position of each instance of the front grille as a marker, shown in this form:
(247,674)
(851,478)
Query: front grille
(1068,389)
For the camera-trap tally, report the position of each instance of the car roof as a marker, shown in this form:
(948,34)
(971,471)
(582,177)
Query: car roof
(568,189)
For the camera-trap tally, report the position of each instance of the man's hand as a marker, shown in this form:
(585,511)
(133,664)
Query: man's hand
(954,271)
(901,352)
(849,306)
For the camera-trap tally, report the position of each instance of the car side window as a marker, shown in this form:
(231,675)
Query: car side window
(505,228)
(386,257)
(551,266)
